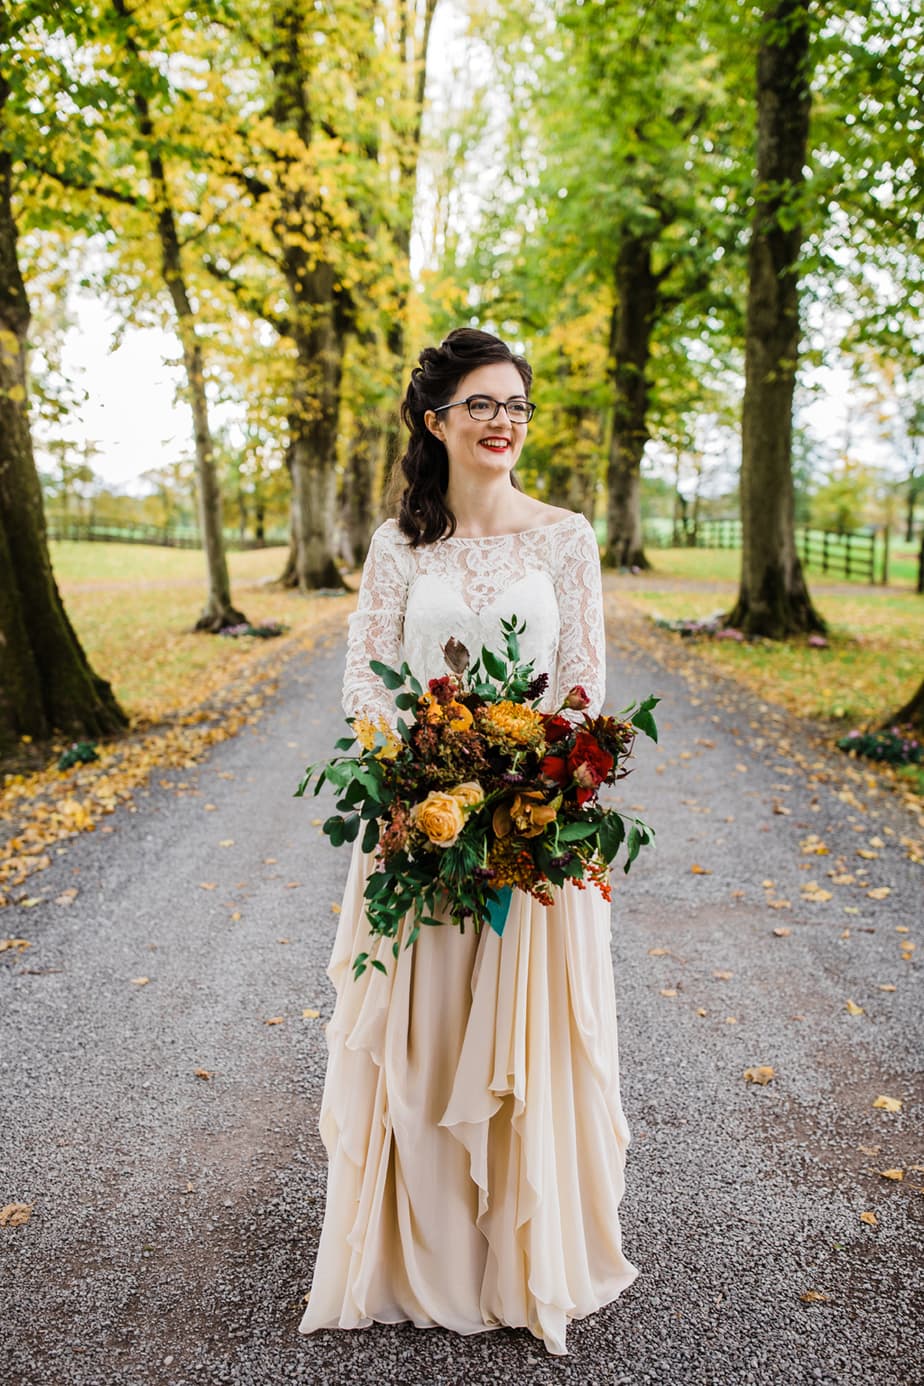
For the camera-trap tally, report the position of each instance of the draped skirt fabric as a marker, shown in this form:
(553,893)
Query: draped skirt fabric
(472,1119)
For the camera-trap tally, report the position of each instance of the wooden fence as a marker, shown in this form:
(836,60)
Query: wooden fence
(861,555)
(173,537)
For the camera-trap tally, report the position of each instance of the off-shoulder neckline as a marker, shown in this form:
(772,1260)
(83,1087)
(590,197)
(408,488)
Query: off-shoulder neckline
(512,534)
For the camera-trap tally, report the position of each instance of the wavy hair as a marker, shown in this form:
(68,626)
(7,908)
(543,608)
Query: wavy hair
(419,479)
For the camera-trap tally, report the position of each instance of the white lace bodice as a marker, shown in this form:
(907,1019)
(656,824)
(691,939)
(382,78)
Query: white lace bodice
(412,600)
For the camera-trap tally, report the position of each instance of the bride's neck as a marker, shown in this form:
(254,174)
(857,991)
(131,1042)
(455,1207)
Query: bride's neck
(485,508)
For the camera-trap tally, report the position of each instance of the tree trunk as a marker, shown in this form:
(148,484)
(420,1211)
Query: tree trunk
(773,599)
(361,490)
(630,347)
(46,682)
(218,610)
(911,715)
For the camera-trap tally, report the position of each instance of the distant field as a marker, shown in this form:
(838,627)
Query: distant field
(134,607)
(875,658)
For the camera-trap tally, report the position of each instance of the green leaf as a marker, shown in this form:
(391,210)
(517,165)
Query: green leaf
(344,743)
(333,827)
(350,827)
(612,835)
(493,664)
(576,832)
(390,677)
(379,966)
(643,719)
(406,700)
(370,836)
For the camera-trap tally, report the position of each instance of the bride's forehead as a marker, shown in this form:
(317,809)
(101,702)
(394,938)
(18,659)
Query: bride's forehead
(500,379)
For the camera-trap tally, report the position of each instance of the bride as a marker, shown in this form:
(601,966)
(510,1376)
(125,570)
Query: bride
(471,1111)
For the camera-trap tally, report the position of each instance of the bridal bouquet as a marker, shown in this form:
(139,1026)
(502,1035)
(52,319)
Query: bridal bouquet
(479,793)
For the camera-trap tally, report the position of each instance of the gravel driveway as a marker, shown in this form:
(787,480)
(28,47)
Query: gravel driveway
(165,1131)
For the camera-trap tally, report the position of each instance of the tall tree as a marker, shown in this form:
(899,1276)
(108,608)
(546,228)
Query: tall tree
(46,682)
(773,598)
(139,80)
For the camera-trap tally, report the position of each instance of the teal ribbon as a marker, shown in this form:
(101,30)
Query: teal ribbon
(497,910)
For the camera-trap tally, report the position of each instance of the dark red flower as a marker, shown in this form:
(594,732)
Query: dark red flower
(588,763)
(444,690)
(557,727)
(554,768)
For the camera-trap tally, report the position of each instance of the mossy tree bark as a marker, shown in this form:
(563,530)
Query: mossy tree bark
(773,598)
(46,682)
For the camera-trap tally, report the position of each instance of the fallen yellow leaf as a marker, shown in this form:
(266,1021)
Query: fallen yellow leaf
(226,842)
(15,1214)
(701,1010)
(853,1009)
(892,1173)
(202,1073)
(889,1104)
(141,981)
(814,1296)
(761,1075)
(779,904)
(668,991)
(235,916)
(18,943)
(869,1218)
(886,986)
(880,893)
(723,976)
(782,931)
(208,885)
(698,870)
(658,952)
(274,1020)
(866,854)
(902,929)
(310,1014)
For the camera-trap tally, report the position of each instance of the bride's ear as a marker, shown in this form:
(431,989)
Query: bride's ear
(433,424)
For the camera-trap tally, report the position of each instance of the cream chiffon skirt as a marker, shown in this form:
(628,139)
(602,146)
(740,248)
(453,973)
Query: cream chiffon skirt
(472,1120)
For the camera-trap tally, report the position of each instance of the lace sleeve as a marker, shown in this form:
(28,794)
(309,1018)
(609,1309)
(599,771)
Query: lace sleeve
(582,643)
(376,627)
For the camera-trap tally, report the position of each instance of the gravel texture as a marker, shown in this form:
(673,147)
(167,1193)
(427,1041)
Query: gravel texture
(176,1217)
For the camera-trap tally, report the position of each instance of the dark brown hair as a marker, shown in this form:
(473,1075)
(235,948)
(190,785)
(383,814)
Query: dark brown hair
(422,512)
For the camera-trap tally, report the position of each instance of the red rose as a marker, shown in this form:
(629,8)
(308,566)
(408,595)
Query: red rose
(554,768)
(577,699)
(556,728)
(589,764)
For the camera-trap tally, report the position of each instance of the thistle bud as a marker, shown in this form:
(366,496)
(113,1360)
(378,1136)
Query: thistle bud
(456,656)
(577,699)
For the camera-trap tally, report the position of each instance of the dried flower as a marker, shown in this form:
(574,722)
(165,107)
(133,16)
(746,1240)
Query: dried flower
(456,656)
(527,814)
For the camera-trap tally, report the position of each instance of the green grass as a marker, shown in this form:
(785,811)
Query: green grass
(875,658)
(133,607)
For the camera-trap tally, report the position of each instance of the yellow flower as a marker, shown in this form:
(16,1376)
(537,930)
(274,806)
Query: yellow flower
(366,731)
(470,794)
(439,817)
(460,719)
(455,715)
(512,722)
(526,813)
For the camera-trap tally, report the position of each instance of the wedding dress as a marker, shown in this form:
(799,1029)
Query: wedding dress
(471,1111)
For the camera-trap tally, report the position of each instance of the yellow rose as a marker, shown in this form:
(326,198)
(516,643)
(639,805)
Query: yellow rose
(439,817)
(469,795)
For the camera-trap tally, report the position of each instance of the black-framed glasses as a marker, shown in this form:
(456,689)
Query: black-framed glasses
(483,408)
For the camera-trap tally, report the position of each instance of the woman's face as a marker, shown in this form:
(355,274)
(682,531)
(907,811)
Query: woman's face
(479,446)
